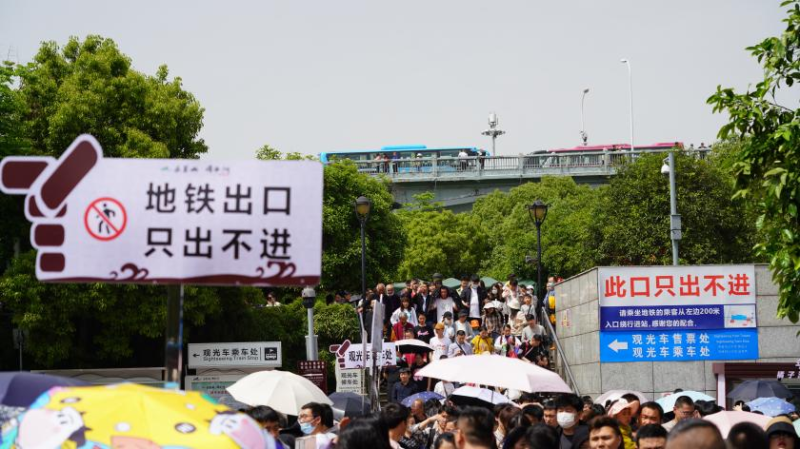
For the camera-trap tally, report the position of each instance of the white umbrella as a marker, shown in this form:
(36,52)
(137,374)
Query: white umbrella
(724,420)
(283,391)
(496,371)
(483,394)
(668,402)
(613,395)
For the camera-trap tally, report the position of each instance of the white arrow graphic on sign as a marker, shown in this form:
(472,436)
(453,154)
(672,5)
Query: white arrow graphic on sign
(617,345)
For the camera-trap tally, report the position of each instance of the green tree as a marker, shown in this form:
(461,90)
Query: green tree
(12,142)
(635,215)
(568,240)
(267,153)
(767,170)
(441,241)
(89,87)
(341,238)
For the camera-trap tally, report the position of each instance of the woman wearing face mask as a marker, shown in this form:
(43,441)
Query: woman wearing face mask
(567,407)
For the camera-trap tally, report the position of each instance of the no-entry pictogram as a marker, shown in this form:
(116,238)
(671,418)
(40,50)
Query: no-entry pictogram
(105,219)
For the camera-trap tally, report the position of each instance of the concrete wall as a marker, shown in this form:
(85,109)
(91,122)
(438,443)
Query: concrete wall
(578,330)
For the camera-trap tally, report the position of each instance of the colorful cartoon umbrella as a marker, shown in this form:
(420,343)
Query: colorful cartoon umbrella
(668,402)
(757,388)
(130,415)
(21,388)
(771,406)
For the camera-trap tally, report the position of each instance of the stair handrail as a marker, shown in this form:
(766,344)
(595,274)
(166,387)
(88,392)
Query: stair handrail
(551,330)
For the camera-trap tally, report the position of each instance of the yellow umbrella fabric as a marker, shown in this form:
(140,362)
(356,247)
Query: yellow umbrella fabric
(131,416)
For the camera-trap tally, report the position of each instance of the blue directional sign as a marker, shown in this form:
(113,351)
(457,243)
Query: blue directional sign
(678,346)
(677,313)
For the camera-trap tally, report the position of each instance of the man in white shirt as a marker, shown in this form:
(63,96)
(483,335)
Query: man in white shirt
(439,342)
(444,303)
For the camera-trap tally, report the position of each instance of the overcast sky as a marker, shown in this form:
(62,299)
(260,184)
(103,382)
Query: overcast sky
(313,76)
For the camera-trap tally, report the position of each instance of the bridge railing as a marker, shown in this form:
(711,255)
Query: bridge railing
(594,163)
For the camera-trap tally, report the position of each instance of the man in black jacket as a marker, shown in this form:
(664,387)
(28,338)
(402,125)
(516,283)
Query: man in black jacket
(472,297)
(425,303)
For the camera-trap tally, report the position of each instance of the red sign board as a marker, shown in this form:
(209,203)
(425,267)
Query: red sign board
(316,371)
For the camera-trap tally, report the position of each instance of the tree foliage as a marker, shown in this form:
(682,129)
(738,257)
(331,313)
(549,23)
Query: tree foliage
(90,87)
(440,241)
(767,170)
(341,238)
(636,208)
(567,232)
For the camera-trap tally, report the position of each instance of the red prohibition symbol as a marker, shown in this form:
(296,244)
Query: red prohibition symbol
(105,219)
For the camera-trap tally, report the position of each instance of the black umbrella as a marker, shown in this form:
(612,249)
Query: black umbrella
(20,388)
(351,404)
(413,346)
(753,389)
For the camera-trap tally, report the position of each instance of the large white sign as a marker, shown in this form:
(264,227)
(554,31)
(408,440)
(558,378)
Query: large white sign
(259,353)
(676,285)
(170,221)
(354,356)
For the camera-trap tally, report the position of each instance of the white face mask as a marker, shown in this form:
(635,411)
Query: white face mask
(566,419)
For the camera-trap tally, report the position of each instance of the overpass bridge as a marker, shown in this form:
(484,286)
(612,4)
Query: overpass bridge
(458,182)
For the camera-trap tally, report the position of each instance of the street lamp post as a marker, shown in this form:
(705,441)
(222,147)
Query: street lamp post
(630,94)
(584,136)
(493,132)
(668,168)
(309,297)
(538,212)
(362,208)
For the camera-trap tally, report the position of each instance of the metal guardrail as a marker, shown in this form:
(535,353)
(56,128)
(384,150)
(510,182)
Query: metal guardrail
(597,163)
(561,355)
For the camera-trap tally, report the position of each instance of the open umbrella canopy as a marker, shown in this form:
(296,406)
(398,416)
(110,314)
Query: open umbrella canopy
(412,346)
(130,415)
(771,406)
(613,395)
(283,391)
(757,388)
(20,388)
(451,282)
(727,419)
(425,396)
(496,371)
(488,282)
(481,394)
(668,402)
(351,405)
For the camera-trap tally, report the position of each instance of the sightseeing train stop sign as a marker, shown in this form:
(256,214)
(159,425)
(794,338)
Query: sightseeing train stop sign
(170,221)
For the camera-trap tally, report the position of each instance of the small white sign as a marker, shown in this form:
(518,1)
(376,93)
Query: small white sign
(354,357)
(351,381)
(265,354)
(214,386)
(170,221)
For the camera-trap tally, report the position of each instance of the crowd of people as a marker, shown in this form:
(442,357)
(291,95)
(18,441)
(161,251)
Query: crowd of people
(534,421)
(470,319)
